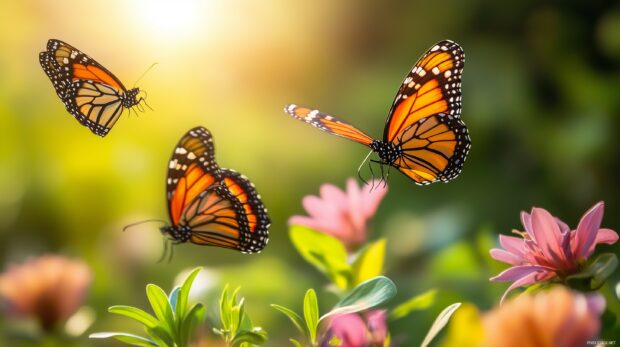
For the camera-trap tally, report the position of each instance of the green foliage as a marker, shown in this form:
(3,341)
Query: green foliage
(328,255)
(418,302)
(237,329)
(595,273)
(439,323)
(174,320)
(368,294)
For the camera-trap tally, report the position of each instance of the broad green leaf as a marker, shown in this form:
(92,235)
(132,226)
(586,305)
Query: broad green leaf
(295,318)
(439,323)
(604,265)
(124,337)
(324,252)
(161,335)
(159,302)
(418,302)
(369,262)
(134,313)
(193,317)
(225,309)
(311,313)
(369,294)
(234,326)
(181,304)
(296,343)
(256,336)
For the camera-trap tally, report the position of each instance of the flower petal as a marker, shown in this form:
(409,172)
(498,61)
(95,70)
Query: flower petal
(527,278)
(333,194)
(526,220)
(587,230)
(607,236)
(547,236)
(506,257)
(517,272)
(512,244)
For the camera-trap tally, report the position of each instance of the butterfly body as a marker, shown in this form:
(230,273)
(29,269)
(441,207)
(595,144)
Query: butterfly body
(90,92)
(210,205)
(424,136)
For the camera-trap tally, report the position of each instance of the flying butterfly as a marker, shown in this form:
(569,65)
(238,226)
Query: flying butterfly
(90,92)
(424,136)
(209,205)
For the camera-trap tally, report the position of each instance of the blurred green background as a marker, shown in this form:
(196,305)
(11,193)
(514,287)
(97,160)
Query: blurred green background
(540,98)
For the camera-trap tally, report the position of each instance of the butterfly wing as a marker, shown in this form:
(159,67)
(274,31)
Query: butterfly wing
(328,123)
(91,93)
(219,207)
(425,117)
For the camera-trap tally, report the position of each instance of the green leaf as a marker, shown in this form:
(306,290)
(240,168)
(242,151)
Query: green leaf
(369,294)
(159,302)
(440,322)
(124,337)
(311,313)
(225,309)
(595,273)
(417,303)
(183,296)
(296,343)
(134,313)
(256,337)
(325,252)
(295,318)
(369,262)
(194,316)
(161,335)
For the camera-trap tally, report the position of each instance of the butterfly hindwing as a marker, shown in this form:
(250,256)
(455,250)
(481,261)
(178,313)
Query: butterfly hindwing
(91,93)
(209,205)
(328,123)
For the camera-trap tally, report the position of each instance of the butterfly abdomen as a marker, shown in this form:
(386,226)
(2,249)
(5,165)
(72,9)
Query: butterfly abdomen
(180,233)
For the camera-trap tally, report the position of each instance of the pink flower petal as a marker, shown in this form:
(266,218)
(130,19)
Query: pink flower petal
(587,229)
(607,236)
(333,194)
(374,192)
(546,234)
(527,279)
(526,220)
(506,257)
(512,244)
(350,329)
(517,272)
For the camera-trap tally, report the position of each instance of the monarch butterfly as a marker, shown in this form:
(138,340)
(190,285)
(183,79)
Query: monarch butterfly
(424,136)
(209,205)
(91,93)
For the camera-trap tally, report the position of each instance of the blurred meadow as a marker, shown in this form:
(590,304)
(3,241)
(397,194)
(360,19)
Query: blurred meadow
(540,99)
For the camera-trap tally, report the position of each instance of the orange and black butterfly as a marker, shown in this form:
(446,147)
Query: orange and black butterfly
(209,205)
(90,92)
(424,136)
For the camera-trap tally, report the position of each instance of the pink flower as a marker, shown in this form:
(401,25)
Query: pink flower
(344,215)
(548,248)
(354,330)
(51,288)
(555,318)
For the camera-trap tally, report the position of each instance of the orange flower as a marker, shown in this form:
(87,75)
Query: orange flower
(50,288)
(555,318)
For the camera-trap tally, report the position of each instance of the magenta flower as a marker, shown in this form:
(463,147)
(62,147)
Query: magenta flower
(354,330)
(549,248)
(344,215)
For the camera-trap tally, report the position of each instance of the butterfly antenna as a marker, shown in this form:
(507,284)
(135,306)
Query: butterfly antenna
(359,169)
(143,74)
(142,222)
(387,175)
(372,173)
(171,253)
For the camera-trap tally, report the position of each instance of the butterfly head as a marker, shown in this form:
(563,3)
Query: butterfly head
(387,151)
(180,233)
(130,98)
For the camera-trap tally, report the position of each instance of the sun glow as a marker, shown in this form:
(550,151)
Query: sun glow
(176,19)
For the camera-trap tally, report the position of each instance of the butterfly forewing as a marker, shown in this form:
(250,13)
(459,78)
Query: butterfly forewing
(328,123)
